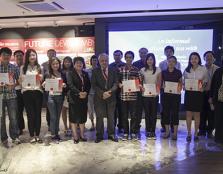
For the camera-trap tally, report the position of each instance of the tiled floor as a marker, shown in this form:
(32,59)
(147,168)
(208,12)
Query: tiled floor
(135,157)
(209,162)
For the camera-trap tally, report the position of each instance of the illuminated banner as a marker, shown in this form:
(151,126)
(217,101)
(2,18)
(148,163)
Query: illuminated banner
(14,44)
(81,46)
(61,45)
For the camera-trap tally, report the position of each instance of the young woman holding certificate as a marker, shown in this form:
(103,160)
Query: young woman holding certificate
(195,80)
(66,67)
(151,85)
(31,79)
(129,79)
(55,85)
(172,84)
(207,114)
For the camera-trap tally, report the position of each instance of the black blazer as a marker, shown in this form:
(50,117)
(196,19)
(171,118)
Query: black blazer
(99,83)
(75,85)
(216,84)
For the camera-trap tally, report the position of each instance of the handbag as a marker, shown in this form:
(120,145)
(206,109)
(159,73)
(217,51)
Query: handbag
(220,92)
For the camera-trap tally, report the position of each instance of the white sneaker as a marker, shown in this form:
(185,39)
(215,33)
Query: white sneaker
(125,137)
(153,136)
(6,144)
(16,141)
(149,135)
(134,137)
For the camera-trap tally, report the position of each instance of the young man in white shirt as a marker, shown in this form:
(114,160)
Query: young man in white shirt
(207,114)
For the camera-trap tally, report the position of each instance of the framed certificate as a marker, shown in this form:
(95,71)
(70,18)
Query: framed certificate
(130,86)
(193,85)
(54,85)
(150,89)
(4,78)
(29,80)
(172,88)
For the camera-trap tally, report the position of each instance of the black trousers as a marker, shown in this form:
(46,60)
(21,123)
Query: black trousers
(219,122)
(45,99)
(20,104)
(118,113)
(129,107)
(150,105)
(103,109)
(139,111)
(161,109)
(171,106)
(207,116)
(33,105)
(48,116)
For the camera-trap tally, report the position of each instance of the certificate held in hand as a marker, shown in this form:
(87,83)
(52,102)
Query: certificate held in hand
(150,89)
(131,85)
(193,85)
(30,80)
(4,79)
(172,87)
(54,85)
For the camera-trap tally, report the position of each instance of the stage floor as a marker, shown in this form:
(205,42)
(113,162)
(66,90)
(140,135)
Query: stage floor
(135,157)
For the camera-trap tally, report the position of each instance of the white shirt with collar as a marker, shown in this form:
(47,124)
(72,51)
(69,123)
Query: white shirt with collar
(149,77)
(200,73)
(30,71)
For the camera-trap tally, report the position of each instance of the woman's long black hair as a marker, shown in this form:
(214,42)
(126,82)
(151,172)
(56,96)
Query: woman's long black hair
(71,63)
(154,62)
(50,66)
(27,55)
(189,66)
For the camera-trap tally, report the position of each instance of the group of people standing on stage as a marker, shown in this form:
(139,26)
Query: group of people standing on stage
(198,104)
(99,90)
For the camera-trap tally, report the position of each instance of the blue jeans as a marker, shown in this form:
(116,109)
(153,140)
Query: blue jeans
(11,105)
(55,104)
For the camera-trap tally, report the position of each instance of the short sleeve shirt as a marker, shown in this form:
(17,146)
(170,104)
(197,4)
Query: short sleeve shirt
(14,75)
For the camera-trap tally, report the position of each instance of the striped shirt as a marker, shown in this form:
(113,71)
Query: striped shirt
(13,75)
(126,73)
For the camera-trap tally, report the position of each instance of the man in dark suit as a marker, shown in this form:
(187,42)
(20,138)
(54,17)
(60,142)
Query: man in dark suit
(117,54)
(104,82)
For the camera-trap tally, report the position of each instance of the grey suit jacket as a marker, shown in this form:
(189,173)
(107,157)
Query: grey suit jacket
(100,85)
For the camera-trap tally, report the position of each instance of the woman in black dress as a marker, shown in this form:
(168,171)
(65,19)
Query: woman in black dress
(79,86)
(216,83)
